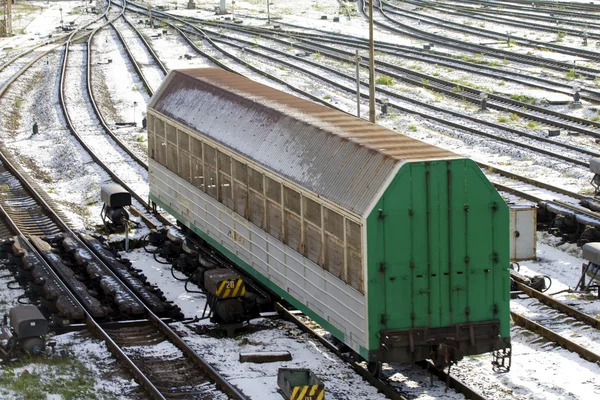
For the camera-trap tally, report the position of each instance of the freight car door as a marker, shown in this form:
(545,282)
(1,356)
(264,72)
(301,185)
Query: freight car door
(415,228)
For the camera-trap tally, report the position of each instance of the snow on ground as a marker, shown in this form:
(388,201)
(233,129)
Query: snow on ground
(80,367)
(35,22)
(539,371)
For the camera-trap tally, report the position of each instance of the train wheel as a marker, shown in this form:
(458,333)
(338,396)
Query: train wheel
(374,368)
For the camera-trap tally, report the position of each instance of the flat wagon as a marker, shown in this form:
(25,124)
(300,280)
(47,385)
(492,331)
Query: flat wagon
(399,248)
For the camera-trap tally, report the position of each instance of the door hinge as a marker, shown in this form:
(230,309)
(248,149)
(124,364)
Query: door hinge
(381,214)
(382,267)
(383,319)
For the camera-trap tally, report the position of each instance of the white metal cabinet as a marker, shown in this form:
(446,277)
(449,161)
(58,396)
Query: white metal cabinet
(523,221)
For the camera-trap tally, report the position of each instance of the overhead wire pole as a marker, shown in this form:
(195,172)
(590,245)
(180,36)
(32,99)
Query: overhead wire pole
(371,66)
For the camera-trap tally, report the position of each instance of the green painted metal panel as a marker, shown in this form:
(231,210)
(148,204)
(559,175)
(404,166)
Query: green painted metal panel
(376,300)
(438,250)
(248,268)
(457,247)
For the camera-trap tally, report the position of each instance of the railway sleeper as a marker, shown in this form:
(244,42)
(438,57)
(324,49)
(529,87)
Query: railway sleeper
(42,289)
(151,295)
(100,281)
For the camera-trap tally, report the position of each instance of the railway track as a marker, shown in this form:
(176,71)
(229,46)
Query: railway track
(145,61)
(183,375)
(112,156)
(405,14)
(144,330)
(516,189)
(430,56)
(582,154)
(518,19)
(546,327)
(558,8)
(251,68)
(422,35)
(384,387)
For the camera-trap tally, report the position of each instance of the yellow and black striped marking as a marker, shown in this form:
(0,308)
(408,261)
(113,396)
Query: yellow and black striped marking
(312,392)
(229,288)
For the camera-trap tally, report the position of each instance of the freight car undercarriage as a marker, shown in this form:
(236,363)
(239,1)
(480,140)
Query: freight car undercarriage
(445,345)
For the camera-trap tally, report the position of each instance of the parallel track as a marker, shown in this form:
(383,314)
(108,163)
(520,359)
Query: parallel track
(338,55)
(480,32)
(452,124)
(548,334)
(158,381)
(474,48)
(382,386)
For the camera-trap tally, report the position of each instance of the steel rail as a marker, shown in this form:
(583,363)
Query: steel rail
(90,321)
(379,384)
(498,17)
(331,53)
(434,117)
(82,142)
(134,63)
(505,173)
(65,36)
(472,95)
(412,53)
(411,31)
(559,66)
(229,55)
(543,6)
(473,30)
(555,304)
(32,62)
(150,49)
(555,337)
(94,326)
(99,116)
(89,87)
(415,53)
(454,383)
(530,181)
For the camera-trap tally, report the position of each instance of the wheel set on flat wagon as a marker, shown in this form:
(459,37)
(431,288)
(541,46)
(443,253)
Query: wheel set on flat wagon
(398,248)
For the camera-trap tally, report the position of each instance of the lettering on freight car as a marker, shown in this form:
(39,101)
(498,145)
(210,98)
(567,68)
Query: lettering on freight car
(237,237)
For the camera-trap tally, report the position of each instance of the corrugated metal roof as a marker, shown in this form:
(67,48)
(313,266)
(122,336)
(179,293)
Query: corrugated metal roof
(335,155)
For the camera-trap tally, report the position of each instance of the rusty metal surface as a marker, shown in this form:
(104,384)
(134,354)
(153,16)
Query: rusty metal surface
(335,155)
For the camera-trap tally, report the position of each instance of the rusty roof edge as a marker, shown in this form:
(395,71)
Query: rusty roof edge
(159,92)
(308,117)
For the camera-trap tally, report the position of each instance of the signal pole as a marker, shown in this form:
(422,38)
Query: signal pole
(371,66)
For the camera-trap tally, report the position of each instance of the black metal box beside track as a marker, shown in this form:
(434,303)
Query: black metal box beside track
(115,196)
(223,283)
(300,384)
(28,321)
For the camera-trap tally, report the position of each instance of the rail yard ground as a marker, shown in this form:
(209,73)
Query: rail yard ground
(540,370)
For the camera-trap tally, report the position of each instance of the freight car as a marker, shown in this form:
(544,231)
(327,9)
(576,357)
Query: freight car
(398,248)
